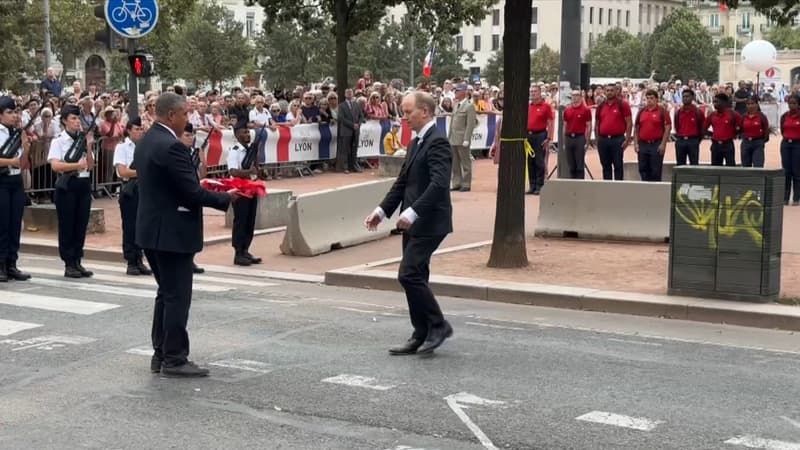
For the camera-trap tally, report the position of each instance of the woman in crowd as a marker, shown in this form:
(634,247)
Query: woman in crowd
(790,150)
(376,110)
(445,107)
(391,106)
(755,132)
(333,104)
(149,115)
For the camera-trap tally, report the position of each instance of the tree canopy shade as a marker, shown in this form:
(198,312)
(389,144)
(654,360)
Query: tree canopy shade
(18,30)
(781,11)
(683,47)
(618,54)
(545,65)
(729,42)
(784,37)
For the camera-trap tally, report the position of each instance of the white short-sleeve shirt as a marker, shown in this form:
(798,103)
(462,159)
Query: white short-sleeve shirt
(59,148)
(4,136)
(235,156)
(261,117)
(123,154)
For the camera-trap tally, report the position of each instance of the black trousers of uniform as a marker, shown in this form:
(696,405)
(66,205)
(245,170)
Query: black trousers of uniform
(688,147)
(12,205)
(244,223)
(790,160)
(128,205)
(723,151)
(752,152)
(610,150)
(72,208)
(347,158)
(538,164)
(576,155)
(413,275)
(650,161)
(173,273)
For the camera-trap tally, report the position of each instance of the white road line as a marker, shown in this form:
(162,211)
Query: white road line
(793,422)
(619,420)
(458,402)
(358,381)
(206,278)
(141,351)
(288,276)
(499,327)
(92,287)
(9,327)
(54,303)
(628,341)
(243,364)
(141,281)
(48,342)
(750,441)
(363,311)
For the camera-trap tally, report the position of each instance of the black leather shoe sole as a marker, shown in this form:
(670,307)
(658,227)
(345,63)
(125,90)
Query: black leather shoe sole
(184,372)
(155,365)
(198,270)
(408,349)
(430,345)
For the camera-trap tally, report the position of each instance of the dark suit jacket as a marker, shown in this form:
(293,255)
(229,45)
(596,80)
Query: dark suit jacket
(348,117)
(424,185)
(171,200)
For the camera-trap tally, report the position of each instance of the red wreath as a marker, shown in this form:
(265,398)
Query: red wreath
(247,188)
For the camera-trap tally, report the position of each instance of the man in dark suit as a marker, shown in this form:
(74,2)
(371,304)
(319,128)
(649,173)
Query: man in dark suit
(350,119)
(423,190)
(169,227)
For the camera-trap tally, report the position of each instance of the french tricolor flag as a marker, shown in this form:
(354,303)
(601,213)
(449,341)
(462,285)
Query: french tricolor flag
(427,64)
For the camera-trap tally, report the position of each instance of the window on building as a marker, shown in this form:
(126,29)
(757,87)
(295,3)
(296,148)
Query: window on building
(496,17)
(649,13)
(459,43)
(535,16)
(609,17)
(658,13)
(745,20)
(627,19)
(600,16)
(619,17)
(534,41)
(591,40)
(713,20)
(476,45)
(640,13)
(249,24)
(591,15)
(495,42)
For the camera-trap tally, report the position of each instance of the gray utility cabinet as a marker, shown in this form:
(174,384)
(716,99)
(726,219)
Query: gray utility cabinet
(726,228)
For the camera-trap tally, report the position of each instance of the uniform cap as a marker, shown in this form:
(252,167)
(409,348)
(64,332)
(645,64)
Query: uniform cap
(7,103)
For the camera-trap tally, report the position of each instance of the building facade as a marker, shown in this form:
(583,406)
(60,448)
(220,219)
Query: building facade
(744,24)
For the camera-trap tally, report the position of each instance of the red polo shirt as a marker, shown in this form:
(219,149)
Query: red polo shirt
(538,115)
(651,125)
(611,117)
(751,126)
(724,124)
(687,125)
(791,125)
(576,118)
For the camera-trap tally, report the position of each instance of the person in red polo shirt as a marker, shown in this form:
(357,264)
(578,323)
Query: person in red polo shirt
(613,131)
(651,134)
(725,124)
(755,133)
(577,127)
(790,149)
(540,135)
(689,130)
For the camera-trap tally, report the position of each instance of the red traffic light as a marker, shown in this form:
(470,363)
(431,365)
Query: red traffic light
(141,65)
(137,66)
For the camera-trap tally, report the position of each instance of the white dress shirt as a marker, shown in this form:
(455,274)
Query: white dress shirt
(4,136)
(123,154)
(262,117)
(59,148)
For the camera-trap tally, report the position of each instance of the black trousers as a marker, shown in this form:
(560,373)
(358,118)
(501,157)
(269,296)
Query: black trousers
(576,156)
(244,223)
(611,153)
(72,208)
(12,205)
(723,151)
(752,152)
(687,148)
(790,160)
(128,205)
(650,161)
(413,276)
(538,164)
(173,273)
(347,152)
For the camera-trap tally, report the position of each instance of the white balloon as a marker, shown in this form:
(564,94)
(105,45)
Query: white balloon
(759,55)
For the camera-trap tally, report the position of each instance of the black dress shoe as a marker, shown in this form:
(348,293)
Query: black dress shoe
(3,273)
(155,364)
(15,274)
(133,270)
(70,271)
(196,269)
(435,338)
(532,192)
(242,260)
(187,370)
(253,259)
(455,188)
(84,273)
(409,348)
(142,268)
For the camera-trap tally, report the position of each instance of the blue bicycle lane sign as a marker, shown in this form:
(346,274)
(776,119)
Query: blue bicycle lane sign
(131,18)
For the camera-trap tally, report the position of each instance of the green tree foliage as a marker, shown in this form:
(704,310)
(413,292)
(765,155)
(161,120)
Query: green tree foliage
(291,55)
(545,64)
(729,42)
(210,45)
(618,54)
(683,48)
(784,37)
(494,67)
(18,34)
(781,11)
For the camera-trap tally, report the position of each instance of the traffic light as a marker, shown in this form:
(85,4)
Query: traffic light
(109,39)
(141,64)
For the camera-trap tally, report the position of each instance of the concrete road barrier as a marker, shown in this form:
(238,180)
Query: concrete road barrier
(331,219)
(273,210)
(389,165)
(631,171)
(634,211)
(44,218)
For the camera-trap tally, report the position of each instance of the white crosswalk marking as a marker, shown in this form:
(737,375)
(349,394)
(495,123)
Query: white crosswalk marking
(619,420)
(9,327)
(93,287)
(205,278)
(54,303)
(141,281)
(765,444)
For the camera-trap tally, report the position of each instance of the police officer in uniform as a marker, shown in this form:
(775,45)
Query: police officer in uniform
(244,210)
(12,195)
(187,138)
(73,197)
(129,197)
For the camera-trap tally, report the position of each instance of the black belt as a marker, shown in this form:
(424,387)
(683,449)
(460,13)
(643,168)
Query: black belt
(688,137)
(608,136)
(754,138)
(575,135)
(723,142)
(791,141)
(654,141)
(537,132)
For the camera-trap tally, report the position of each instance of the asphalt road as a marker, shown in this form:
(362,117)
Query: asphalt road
(304,366)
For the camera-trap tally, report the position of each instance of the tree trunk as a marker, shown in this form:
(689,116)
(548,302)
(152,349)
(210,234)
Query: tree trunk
(508,245)
(341,48)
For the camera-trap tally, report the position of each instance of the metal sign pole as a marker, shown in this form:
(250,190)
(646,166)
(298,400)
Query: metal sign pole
(134,84)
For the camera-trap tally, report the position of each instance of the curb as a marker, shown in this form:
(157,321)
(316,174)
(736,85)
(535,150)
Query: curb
(757,315)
